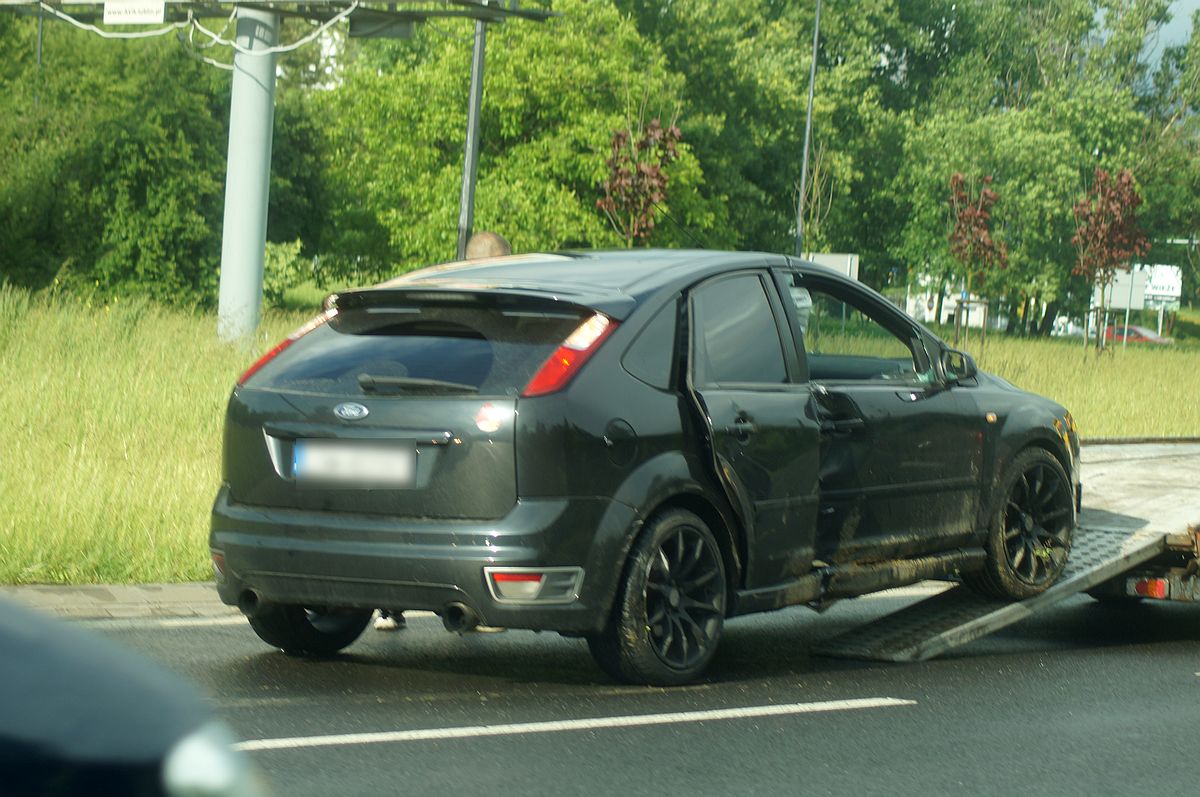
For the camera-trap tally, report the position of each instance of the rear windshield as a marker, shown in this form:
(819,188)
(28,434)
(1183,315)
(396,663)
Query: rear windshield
(430,349)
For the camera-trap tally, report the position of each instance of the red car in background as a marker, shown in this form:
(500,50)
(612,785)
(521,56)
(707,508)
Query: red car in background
(1134,334)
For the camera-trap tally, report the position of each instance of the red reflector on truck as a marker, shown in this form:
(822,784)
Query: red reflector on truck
(1152,588)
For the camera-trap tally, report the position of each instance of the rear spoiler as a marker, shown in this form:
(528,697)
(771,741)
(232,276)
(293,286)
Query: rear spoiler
(615,305)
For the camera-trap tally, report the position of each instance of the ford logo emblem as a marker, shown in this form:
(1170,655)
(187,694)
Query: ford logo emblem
(350,411)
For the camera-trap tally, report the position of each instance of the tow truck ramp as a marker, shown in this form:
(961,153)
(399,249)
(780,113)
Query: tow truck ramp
(958,615)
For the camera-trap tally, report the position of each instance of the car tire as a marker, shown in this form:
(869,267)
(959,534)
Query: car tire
(670,607)
(1029,536)
(309,631)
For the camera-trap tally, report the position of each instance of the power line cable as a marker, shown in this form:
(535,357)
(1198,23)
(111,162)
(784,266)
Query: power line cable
(281,48)
(116,34)
(193,51)
(215,38)
(697,241)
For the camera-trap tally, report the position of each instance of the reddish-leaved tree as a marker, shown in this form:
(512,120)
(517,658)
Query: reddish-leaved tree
(637,178)
(971,241)
(1107,236)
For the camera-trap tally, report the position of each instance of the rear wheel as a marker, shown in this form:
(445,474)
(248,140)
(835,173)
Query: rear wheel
(1031,529)
(670,608)
(309,631)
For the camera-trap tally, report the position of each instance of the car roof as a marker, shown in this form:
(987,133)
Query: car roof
(611,281)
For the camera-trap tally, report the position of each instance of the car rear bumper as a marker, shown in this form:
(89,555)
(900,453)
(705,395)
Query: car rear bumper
(369,561)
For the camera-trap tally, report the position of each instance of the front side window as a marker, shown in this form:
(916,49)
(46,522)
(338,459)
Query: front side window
(737,340)
(845,340)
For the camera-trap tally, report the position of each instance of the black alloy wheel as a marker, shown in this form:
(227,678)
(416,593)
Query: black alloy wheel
(309,630)
(1031,533)
(670,609)
(685,598)
(1036,539)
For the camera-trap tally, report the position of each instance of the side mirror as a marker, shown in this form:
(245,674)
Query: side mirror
(957,366)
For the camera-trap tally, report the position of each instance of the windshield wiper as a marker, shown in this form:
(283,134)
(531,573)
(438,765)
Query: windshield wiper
(399,384)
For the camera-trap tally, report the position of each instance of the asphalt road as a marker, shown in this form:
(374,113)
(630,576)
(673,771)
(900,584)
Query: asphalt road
(1081,699)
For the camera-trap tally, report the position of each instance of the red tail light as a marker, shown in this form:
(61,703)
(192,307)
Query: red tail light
(283,344)
(566,361)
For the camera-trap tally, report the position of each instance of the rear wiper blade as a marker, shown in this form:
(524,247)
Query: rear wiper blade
(395,384)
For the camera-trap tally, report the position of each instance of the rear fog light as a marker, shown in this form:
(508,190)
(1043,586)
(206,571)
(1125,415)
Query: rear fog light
(533,585)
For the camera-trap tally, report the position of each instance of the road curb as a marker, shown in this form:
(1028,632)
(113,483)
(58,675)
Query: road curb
(107,601)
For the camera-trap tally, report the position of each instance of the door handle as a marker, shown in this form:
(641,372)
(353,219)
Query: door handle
(741,428)
(842,426)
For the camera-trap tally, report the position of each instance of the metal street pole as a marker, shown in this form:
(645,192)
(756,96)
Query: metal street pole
(812,79)
(466,203)
(247,176)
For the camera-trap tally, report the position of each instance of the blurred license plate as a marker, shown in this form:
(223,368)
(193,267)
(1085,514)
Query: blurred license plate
(365,463)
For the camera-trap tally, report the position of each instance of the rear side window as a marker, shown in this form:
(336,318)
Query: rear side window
(737,339)
(428,349)
(651,355)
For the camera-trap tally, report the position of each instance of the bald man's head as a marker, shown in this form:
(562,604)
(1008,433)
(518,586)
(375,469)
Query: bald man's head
(487,244)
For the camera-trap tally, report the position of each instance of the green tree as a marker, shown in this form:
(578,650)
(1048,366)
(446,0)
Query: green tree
(553,94)
(747,64)
(116,185)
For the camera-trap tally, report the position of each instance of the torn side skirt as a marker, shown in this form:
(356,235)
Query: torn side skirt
(850,580)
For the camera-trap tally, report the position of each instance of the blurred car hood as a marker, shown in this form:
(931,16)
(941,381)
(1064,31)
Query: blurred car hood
(71,696)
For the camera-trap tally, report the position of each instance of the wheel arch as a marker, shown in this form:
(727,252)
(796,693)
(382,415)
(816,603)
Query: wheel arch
(722,525)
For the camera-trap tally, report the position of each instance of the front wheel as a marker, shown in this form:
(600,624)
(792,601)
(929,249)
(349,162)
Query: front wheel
(309,631)
(670,608)
(1029,538)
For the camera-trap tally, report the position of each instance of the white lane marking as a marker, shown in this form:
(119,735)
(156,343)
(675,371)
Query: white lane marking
(559,726)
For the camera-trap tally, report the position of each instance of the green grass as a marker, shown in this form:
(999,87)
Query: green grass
(110,426)
(110,423)
(1142,391)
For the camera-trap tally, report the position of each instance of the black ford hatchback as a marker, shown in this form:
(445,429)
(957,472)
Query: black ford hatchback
(629,447)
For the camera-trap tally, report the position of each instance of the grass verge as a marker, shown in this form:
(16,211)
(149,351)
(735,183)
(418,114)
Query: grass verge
(110,450)
(1142,391)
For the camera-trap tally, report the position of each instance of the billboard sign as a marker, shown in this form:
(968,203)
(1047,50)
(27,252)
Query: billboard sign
(1127,291)
(134,12)
(1165,286)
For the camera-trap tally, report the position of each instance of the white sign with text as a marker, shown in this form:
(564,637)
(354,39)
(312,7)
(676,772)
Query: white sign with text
(134,12)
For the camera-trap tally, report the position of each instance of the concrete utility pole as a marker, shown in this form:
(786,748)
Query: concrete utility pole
(466,204)
(812,80)
(247,176)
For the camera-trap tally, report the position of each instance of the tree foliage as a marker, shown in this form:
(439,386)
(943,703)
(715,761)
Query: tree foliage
(114,152)
(553,94)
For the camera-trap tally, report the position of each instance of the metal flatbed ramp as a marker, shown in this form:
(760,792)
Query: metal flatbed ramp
(958,616)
